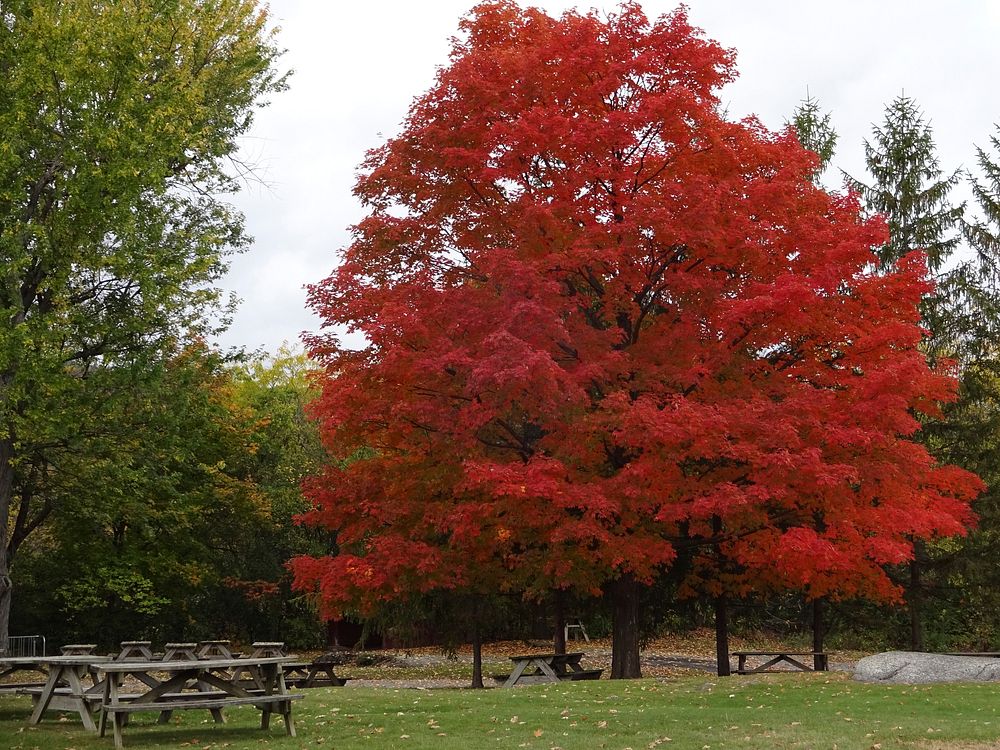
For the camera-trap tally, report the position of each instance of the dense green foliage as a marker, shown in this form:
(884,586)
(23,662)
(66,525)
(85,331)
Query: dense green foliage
(119,121)
(180,524)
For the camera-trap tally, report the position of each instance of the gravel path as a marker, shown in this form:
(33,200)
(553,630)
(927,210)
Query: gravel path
(655,663)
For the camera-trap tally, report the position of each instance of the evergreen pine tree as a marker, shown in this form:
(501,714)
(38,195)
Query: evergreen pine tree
(815,132)
(910,190)
(984,235)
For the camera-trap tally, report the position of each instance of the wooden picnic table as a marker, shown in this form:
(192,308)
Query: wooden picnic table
(214,650)
(309,674)
(64,688)
(535,668)
(178,651)
(268,648)
(135,651)
(78,649)
(206,684)
(820,661)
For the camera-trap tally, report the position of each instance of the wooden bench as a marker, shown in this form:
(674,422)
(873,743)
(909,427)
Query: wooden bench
(820,661)
(586,674)
(20,688)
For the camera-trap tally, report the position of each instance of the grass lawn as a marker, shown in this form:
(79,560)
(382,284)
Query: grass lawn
(762,712)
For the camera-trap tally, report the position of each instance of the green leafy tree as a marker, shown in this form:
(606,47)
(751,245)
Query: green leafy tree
(120,121)
(178,523)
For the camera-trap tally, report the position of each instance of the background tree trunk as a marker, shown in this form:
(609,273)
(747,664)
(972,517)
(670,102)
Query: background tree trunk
(819,633)
(559,636)
(625,629)
(721,610)
(914,598)
(6,493)
(722,637)
(477,649)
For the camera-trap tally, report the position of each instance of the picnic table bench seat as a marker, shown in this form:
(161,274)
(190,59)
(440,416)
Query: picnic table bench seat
(18,688)
(820,661)
(185,700)
(586,674)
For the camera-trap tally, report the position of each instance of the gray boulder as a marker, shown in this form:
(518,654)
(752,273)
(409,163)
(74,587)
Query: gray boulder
(910,667)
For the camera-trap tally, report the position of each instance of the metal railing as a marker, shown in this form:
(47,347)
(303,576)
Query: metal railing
(25,645)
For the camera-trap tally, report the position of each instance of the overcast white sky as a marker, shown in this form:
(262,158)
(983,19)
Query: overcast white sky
(358,66)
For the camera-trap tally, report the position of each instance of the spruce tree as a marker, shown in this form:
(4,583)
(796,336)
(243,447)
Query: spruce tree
(909,188)
(984,234)
(970,433)
(912,192)
(815,132)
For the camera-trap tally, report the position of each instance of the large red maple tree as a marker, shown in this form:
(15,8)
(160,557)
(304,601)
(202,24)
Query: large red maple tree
(602,320)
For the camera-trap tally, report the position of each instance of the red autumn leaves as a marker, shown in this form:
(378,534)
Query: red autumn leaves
(606,326)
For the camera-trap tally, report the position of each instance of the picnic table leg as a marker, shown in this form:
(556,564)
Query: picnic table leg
(105,702)
(311,675)
(796,663)
(266,677)
(82,707)
(46,696)
(545,669)
(204,687)
(286,706)
(118,725)
(516,674)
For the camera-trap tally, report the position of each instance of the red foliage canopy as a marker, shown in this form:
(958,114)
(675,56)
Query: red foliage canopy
(600,316)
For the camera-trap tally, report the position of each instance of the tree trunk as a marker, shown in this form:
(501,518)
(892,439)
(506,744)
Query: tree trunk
(559,636)
(722,637)
(819,633)
(6,494)
(477,650)
(625,629)
(914,599)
